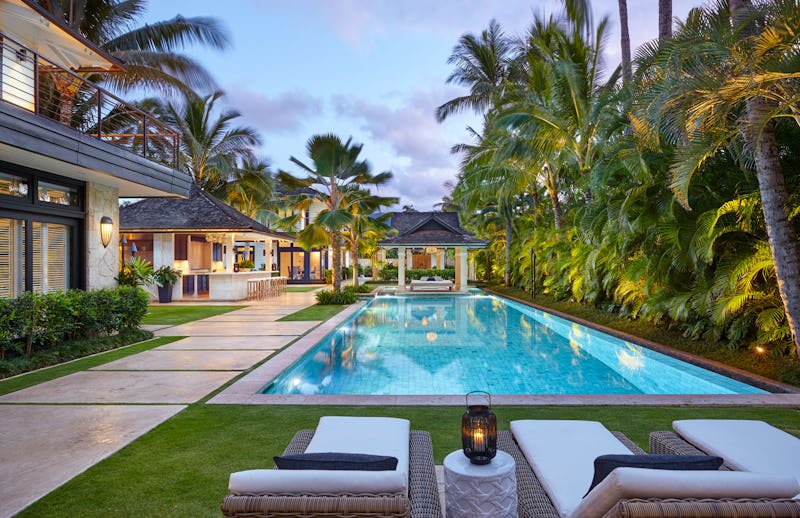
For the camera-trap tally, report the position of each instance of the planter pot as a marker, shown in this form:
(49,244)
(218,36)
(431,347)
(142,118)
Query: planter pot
(165,293)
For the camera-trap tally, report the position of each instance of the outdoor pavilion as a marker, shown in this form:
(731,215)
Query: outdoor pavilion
(204,238)
(434,233)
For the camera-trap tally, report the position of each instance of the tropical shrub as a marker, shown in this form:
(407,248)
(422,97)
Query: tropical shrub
(166,275)
(342,297)
(42,321)
(136,272)
(246,263)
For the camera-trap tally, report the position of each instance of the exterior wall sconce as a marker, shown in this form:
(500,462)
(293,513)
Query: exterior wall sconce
(479,431)
(106,229)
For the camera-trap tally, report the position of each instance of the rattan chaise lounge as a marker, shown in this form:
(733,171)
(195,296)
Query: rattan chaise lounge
(420,501)
(534,502)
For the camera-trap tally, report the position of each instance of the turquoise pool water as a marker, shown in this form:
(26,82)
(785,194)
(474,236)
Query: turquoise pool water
(452,344)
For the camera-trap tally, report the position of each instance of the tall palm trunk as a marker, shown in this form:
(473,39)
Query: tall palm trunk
(336,260)
(781,234)
(354,259)
(374,260)
(625,41)
(774,196)
(664,19)
(557,221)
(509,235)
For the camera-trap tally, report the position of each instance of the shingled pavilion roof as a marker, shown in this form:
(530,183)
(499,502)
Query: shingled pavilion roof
(200,212)
(441,229)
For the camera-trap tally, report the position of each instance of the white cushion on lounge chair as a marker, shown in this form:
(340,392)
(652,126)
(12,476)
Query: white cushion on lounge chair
(627,483)
(744,444)
(315,482)
(562,455)
(370,435)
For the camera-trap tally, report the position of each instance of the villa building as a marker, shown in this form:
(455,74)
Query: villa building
(68,151)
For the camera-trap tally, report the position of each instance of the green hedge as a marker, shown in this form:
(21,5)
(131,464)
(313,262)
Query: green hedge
(343,297)
(41,321)
(390,273)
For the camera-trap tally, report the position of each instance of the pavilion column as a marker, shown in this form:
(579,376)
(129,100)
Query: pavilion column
(268,256)
(461,268)
(401,268)
(440,255)
(259,253)
(230,252)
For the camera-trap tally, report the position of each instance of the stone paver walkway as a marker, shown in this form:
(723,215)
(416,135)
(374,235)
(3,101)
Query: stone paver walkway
(53,431)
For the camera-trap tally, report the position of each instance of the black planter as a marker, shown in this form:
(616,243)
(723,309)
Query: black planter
(165,293)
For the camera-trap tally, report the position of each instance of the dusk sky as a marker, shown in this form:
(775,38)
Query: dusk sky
(371,69)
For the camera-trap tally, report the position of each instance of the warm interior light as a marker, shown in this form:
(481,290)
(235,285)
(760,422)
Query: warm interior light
(760,349)
(106,229)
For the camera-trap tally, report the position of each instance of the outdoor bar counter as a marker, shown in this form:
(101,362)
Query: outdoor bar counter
(231,285)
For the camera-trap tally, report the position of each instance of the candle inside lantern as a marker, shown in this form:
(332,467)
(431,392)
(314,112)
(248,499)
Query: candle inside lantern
(479,439)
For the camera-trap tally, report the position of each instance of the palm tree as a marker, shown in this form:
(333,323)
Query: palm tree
(724,79)
(211,148)
(482,64)
(250,189)
(625,41)
(362,205)
(664,19)
(150,52)
(333,178)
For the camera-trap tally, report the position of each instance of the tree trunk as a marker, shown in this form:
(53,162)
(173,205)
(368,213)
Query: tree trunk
(625,41)
(559,224)
(336,260)
(374,266)
(354,260)
(509,235)
(781,233)
(664,19)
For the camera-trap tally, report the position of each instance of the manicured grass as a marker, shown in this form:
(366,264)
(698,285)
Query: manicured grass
(315,312)
(780,368)
(173,315)
(57,371)
(301,289)
(181,468)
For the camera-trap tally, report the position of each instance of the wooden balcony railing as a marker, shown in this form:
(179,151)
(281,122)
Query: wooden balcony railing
(33,82)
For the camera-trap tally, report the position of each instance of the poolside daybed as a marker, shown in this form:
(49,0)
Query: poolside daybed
(552,475)
(432,283)
(745,445)
(409,490)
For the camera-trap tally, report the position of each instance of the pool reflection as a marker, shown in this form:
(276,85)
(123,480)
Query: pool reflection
(454,344)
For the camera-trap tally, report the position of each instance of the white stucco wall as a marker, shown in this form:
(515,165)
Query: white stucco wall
(102,262)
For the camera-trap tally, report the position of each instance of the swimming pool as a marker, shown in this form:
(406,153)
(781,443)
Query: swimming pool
(453,344)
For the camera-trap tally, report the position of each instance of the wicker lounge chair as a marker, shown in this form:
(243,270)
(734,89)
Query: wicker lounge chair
(422,500)
(533,501)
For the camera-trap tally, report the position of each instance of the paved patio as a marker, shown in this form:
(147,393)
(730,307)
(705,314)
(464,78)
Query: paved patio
(51,432)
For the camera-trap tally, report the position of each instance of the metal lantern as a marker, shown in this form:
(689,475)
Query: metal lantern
(479,431)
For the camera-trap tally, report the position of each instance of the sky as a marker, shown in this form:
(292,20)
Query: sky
(370,70)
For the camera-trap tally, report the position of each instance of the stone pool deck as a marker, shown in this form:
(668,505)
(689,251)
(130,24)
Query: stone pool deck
(51,432)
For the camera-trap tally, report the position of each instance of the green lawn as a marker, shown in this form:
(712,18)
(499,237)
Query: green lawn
(173,315)
(301,289)
(181,468)
(315,312)
(40,376)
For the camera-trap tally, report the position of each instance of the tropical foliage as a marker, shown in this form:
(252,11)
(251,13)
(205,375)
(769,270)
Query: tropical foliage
(337,179)
(673,197)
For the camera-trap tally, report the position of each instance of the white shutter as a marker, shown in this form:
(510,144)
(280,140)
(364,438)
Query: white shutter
(57,254)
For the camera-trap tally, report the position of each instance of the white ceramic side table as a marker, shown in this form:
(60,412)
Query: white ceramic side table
(474,491)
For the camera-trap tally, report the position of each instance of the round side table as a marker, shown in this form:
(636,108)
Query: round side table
(473,491)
